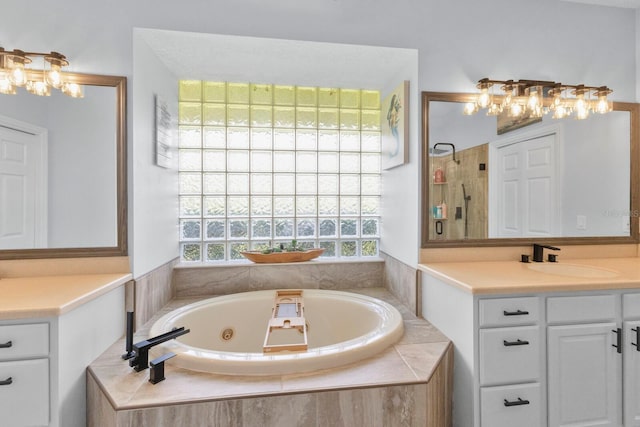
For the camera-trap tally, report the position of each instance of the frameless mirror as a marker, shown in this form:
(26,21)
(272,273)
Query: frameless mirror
(490,181)
(63,171)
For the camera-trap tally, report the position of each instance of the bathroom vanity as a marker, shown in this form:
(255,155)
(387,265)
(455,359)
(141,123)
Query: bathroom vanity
(51,328)
(540,344)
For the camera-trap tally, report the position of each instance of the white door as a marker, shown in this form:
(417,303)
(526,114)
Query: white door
(583,375)
(22,189)
(526,202)
(631,374)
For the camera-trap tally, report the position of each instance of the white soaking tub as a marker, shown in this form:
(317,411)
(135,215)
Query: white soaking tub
(227,333)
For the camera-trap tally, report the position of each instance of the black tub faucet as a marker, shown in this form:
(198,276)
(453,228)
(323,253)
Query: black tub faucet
(538,251)
(140,359)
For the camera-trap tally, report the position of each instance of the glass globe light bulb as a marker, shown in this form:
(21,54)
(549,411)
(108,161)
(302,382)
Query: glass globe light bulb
(469,108)
(484,99)
(37,87)
(581,108)
(54,77)
(6,87)
(603,105)
(18,75)
(73,90)
(516,110)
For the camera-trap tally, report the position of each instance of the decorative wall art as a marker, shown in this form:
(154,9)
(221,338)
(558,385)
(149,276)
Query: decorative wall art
(164,134)
(507,123)
(394,118)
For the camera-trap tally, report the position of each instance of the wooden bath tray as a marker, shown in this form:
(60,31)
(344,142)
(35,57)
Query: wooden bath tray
(293,256)
(287,314)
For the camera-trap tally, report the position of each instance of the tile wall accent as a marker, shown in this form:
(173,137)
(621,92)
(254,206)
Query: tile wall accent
(223,280)
(401,280)
(152,292)
(476,184)
(379,406)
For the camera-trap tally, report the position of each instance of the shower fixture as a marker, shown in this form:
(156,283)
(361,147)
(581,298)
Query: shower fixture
(435,150)
(466,212)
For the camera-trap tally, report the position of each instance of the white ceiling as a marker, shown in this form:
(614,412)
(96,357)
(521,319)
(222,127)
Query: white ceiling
(633,4)
(260,60)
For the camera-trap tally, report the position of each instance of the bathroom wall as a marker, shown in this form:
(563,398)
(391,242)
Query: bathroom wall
(548,40)
(154,214)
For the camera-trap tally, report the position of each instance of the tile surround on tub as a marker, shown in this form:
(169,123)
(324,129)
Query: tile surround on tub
(192,281)
(400,386)
(152,292)
(401,280)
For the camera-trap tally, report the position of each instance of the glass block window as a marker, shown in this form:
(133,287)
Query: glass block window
(262,164)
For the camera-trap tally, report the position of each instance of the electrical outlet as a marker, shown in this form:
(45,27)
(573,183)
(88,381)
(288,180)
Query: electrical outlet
(581,222)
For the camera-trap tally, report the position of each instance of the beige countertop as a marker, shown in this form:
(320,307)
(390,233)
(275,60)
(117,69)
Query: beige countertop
(45,296)
(504,277)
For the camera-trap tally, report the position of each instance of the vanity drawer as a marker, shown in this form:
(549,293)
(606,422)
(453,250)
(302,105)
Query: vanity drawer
(509,311)
(24,392)
(24,341)
(588,308)
(509,355)
(631,306)
(514,405)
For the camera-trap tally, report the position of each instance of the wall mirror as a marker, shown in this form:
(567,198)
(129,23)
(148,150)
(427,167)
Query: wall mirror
(63,189)
(555,181)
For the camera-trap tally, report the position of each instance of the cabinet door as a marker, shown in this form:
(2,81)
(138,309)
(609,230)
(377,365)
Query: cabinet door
(631,374)
(583,375)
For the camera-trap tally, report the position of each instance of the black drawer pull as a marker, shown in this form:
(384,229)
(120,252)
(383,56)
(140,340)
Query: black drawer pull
(618,344)
(637,343)
(516,342)
(515,313)
(6,345)
(516,402)
(8,381)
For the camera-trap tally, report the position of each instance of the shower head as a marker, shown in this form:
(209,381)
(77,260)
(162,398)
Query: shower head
(436,150)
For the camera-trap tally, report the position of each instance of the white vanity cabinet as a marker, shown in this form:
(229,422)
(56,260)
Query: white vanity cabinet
(584,353)
(24,374)
(43,361)
(580,366)
(510,362)
(631,359)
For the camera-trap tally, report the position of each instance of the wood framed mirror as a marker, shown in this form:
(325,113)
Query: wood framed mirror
(73,201)
(548,181)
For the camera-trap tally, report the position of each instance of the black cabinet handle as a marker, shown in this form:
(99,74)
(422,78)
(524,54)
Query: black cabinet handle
(8,381)
(516,402)
(6,345)
(515,313)
(618,344)
(516,342)
(636,344)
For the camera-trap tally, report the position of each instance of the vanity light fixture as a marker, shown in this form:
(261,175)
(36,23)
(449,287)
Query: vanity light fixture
(14,73)
(534,98)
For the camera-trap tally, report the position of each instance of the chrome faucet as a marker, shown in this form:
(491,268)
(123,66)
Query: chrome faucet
(538,251)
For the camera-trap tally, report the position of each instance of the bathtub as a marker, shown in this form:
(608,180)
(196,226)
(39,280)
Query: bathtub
(228,332)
